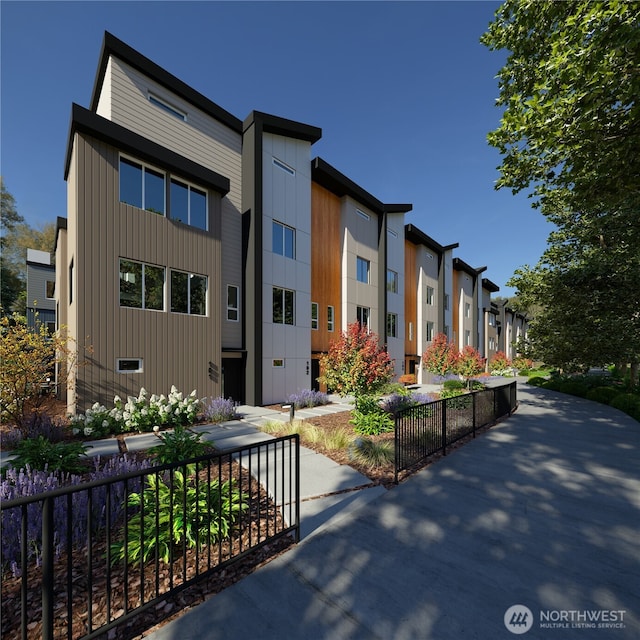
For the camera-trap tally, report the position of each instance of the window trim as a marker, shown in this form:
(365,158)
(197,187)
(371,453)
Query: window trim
(331,317)
(189,275)
(156,101)
(316,320)
(430,329)
(140,368)
(283,228)
(393,317)
(277,363)
(143,306)
(394,288)
(237,307)
(284,313)
(46,289)
(430,296)
(190,186)
(359,312)
(284,166)
(144,166)
(363,215)
(364,262)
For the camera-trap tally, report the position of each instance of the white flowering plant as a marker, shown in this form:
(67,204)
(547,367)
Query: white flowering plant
(141,413)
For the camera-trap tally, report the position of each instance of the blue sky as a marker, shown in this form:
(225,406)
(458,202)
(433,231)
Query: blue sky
(403,91)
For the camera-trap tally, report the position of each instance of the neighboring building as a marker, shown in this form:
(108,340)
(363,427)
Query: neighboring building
(428,293)
(357,263)
(489,323)
(41,287)
(512,329)
(466,304)
(212,253)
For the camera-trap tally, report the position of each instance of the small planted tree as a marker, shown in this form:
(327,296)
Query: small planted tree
(29,357)
(441,356)
(500,364)
(470,363)
(356,363)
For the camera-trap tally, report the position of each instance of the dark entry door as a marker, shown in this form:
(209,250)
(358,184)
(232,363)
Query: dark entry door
(315,374)
(233,379)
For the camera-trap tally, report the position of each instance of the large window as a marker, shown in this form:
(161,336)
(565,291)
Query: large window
(330,318)
(314,315)
(141,186)
(392,325)
(284,240)
(362,270)
(362,315)
(283,306)
(188,293)
(188,204)
(429,296)
(233,303)
(141,285)
(392,281)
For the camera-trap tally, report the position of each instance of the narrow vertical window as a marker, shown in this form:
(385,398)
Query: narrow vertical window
(314,315)
(392,325)
(330,318)
(283,240)
(283,306)
(362,270)
(71,282)
(392,281)
(429,331)
(362,315)
(233,303)
(429,296)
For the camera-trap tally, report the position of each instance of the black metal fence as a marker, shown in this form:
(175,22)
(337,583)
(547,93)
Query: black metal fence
(93,556)
(426,429)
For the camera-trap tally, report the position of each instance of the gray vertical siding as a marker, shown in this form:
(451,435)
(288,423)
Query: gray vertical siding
(176,349)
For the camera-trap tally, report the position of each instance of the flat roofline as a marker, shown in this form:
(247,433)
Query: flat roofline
(417,236)
(283,127)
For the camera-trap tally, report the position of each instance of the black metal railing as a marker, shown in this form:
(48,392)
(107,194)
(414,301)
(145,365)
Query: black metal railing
(94,556)
(426,429)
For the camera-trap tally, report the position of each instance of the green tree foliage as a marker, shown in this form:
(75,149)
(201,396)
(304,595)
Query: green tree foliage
(569,90)
(28,357)
(356,363)
(569,133)
(17,237)
(469,363)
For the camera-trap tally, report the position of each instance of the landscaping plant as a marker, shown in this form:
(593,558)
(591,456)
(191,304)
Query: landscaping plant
(356,363)
(441,356)
(369,418)
(42,454)
(178,445)
(308,398)
(178,511)
(220,410)
(500,364)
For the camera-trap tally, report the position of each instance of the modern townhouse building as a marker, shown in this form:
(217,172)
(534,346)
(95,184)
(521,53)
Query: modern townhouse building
(512,329)
(357,263)
(41,283)
(428,294)
(489,321)
(213,253)
(209,252)
(467,299)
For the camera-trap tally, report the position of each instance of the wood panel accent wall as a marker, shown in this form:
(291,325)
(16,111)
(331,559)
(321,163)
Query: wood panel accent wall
(326,261)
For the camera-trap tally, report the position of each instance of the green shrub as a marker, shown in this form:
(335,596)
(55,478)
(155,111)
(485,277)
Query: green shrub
(369,418)
(602,394)
(629,403)
(178,445)
(460,401)
(39,453)
(536,381)
(452,393)
(553,384)
(454,384)
(184,512)
(579,389)
(372,454)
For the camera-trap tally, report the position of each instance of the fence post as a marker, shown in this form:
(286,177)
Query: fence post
(47,569)
(473,407)
(444,427)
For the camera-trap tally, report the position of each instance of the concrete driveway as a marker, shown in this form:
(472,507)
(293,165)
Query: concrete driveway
(542,511)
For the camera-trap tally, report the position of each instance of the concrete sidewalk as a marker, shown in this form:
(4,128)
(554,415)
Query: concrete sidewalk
(543,511)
